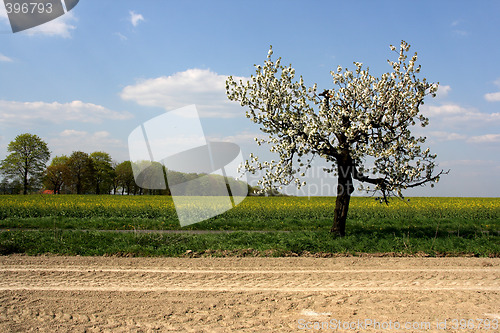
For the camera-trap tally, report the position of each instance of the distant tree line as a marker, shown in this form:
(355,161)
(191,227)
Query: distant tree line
(25,170)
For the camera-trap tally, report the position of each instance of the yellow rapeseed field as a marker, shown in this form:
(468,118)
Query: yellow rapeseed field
(146,206)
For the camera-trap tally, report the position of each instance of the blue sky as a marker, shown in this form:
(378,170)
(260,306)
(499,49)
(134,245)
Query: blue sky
(85,80)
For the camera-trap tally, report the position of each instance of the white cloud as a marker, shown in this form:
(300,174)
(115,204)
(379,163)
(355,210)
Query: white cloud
(468,163)
(462,33)
(447,136)
(445,110)
(241,138)
(443,91)
(492,97)
(70,133)
(13,112)
(486,138)
(457,30)
(61,26)
(451,136)
(3,15)
(135,18)
(202,87)
(4,58)
(121,36)
(71,140)
(454,114)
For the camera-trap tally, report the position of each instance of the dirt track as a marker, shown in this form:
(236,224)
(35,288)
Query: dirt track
(60,294)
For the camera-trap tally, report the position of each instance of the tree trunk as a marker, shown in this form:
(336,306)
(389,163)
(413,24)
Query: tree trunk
(344,189)
(78,185)
(25,180)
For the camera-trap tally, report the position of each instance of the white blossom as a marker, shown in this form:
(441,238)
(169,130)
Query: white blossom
(361,116)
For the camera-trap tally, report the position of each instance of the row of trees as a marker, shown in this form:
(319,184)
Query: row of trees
(94,173)
(25,170)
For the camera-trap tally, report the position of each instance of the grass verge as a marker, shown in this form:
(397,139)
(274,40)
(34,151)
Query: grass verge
(98,243)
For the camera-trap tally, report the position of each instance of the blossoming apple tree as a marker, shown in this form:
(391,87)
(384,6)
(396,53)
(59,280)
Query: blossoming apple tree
(361,127)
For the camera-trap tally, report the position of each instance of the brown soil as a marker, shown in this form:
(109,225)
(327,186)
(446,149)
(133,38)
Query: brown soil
(96,294)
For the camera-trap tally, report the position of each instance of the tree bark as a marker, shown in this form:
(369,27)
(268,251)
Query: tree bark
(25,187)
(25,181)
(345,188)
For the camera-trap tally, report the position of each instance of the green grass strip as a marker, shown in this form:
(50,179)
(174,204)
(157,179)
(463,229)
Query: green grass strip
(98,243)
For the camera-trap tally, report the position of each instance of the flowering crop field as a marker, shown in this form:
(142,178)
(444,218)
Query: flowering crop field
(261,212)
(297,224)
